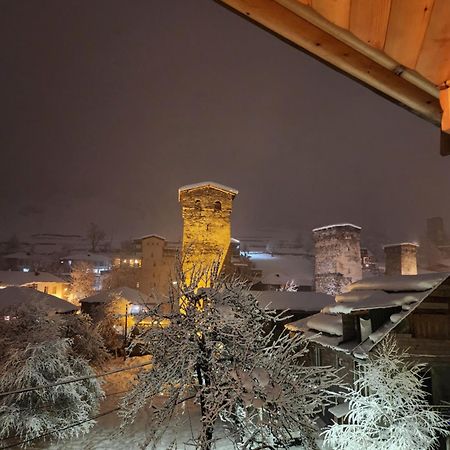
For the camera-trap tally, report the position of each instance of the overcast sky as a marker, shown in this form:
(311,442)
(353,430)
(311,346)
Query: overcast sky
(109,106)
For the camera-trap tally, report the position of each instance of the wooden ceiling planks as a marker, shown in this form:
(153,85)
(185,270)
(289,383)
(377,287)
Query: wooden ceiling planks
(369,21)
(336,11)
(371,40)
(408,22)
(434,59)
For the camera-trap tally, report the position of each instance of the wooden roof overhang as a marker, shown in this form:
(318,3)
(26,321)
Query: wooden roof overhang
(398,48)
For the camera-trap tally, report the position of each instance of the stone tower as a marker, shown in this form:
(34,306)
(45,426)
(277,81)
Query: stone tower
(401,259)
(206,224)
(337,257)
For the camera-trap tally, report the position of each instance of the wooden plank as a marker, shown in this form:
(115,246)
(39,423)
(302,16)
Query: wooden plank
(434,57)
(336,11)
(444,97)
(408,22)
(369,21)
(292,28)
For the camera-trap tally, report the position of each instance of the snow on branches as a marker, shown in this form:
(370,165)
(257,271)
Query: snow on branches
(388,408)
(220,352)
(28,415)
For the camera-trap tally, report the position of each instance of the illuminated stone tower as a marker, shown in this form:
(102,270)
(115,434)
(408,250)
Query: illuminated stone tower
(338,257)
(401,259)
(206,224)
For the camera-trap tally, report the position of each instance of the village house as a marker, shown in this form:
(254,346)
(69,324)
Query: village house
(41,281)
(13,297)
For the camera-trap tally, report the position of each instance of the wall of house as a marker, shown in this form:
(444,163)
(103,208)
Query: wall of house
(58,289)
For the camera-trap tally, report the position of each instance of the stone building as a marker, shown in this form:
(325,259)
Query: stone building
(206,210)
(337,257)
(157,264)
(401,259)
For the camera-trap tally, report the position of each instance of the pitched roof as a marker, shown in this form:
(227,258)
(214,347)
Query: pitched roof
(337,225)
(18,296)
(19,278)
(404,291)
(294,301)
(220,187)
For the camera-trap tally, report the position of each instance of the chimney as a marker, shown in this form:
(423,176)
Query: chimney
(337,257)
(401,259)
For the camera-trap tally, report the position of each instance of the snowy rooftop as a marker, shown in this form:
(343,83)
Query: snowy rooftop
(405,293)
(220,187)
(337,225)
(280,269)
(19,278)
(294,301)
(131,295)
(88,257)
(401,283)
(147,236)
(18,296)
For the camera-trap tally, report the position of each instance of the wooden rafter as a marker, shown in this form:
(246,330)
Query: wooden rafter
(285,23)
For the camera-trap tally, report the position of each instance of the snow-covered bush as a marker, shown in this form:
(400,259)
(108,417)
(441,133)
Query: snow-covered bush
(35,350)
(86,339)
(388,408)
(221,354)
(29,414)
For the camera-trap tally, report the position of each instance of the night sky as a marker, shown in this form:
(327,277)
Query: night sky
(109,106)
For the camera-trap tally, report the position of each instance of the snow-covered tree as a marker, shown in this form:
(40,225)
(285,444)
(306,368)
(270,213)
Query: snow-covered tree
(388,408)
(35,350)
(290,286)
(86,338)
(28,415)
(82,280)
(219,353)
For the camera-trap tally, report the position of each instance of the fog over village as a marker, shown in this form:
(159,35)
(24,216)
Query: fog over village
(210,239)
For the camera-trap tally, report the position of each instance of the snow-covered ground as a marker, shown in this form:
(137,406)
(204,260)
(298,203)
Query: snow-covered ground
(104,435)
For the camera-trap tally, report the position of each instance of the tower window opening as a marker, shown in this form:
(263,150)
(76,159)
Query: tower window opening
(217,206)
(197,204)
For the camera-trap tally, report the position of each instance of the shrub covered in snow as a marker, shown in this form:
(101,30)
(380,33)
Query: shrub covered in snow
(29,414)
(388,408)
(217,352)
(35,350)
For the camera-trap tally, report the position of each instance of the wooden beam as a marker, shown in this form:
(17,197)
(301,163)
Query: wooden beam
(444,97)
(284,23)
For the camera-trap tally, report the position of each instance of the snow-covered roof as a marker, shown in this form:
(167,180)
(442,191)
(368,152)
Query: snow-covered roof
(147,236)
(132,296)
(280,269)
(88,257)
(366,300)
(337,225)
(220,187)
(405,292)
(400,244)
(401,283)
(294,301)
(17,296)
(19,278)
